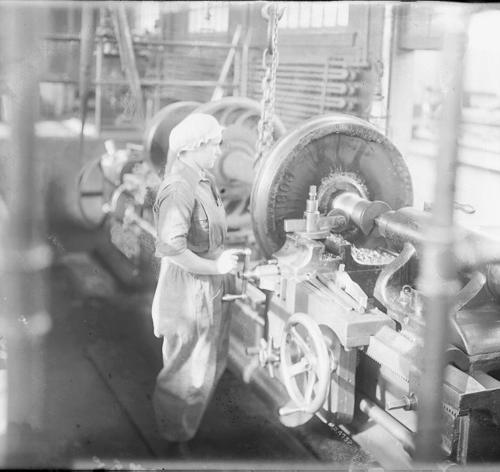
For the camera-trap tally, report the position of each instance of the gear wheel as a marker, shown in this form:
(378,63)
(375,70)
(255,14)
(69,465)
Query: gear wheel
(339,181)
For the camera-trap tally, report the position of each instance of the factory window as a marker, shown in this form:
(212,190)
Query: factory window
(314,15)
(147,17)
(208,17)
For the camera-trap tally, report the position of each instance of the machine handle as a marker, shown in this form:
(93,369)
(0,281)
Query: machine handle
(463,207)
(229,297)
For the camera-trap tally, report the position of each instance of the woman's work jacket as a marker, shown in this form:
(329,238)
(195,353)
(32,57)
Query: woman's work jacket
(189,214)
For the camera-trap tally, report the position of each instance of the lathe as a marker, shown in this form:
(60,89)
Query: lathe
(328,312)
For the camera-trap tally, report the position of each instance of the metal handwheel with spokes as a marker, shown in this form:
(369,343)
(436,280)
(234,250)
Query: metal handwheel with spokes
(305,363)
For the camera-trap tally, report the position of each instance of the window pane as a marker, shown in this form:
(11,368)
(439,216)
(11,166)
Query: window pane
(343,14)
(224,18)
(305,14)
(218,19)
(330,12)
(314,14)
(149,13)
(293,20)
(286,16)
(192,21)
(317,15)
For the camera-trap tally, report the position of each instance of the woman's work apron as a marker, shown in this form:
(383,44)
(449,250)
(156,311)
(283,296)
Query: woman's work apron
(187,308)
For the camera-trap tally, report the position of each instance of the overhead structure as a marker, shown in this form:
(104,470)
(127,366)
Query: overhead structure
(270,59)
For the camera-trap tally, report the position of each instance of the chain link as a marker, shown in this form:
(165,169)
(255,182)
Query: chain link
(270,59)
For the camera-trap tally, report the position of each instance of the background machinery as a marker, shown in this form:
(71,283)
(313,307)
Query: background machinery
(117,190)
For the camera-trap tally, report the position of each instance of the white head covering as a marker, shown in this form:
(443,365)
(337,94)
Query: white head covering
(193,131)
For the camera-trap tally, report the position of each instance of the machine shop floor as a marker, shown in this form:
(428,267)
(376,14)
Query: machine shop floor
(101,360)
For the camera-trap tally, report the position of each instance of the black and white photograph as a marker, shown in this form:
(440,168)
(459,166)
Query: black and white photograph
(249,235)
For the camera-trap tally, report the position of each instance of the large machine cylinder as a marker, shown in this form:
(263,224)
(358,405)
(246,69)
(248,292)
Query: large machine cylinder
(402,226)
(473,250)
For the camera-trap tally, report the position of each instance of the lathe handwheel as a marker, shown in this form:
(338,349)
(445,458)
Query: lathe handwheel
(305,363)
(91,194)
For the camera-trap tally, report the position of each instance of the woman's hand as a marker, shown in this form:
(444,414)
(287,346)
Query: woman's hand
(227,261)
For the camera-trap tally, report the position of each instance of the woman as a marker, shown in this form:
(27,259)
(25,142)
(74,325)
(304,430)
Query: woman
(187,306)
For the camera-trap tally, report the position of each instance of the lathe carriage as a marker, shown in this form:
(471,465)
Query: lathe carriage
(328,312)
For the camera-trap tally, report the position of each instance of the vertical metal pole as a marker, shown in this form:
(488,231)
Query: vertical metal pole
(219,89)
(244,63)
(127,59)
(387,45)
(89,23)
(438,278)
(236,74)
(24,320)
(98,85)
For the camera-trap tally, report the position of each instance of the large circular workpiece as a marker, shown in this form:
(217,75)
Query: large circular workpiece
(341,151)
(305,363)
(234,170)
(158,131)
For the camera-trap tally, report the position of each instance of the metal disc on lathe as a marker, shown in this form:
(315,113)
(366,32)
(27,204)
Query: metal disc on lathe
(305,156)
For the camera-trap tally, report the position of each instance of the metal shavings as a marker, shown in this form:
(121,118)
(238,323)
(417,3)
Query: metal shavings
(366,256)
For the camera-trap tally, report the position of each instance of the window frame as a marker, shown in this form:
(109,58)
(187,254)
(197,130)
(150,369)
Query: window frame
(310,29)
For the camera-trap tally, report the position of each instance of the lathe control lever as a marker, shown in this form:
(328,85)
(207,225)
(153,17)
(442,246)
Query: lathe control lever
(267,353)
(229,297)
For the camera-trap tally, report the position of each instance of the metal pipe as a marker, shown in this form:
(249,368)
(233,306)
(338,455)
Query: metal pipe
(245,63)
(473,248)
(406,225)
(25,320)
(99,67)
(438,277)
(218,93)
(127,58)
(152,82)
(144,82)
(387,54)
(141,41)
(388,422)
(131,216)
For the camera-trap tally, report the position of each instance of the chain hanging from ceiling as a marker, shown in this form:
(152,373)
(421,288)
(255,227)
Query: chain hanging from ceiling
(270,58)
